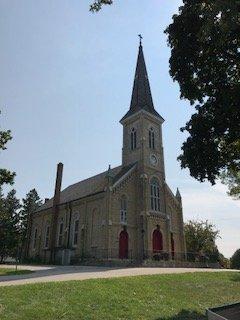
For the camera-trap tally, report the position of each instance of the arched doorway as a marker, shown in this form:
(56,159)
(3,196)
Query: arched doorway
(157,241)
(172,246)
(123,245)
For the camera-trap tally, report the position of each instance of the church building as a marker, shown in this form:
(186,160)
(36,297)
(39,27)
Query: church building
(124,213)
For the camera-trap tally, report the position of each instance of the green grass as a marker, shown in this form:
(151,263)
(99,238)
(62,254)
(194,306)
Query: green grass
(12,271)
(158,297)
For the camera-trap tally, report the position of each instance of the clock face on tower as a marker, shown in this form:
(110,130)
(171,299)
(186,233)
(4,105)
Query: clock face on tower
(153,160)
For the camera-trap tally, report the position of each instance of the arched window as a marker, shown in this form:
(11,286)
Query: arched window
(60,233)
(133,139)
(95,227)
(75,232)
(155,195)
(47,233)
(123,209)
(151,137)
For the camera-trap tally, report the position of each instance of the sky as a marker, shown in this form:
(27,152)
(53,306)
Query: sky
(66,77)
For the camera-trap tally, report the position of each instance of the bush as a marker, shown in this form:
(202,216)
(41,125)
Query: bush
(235,260)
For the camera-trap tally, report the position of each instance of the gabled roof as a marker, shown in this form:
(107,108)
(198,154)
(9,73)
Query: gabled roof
(141,93)
(87,187)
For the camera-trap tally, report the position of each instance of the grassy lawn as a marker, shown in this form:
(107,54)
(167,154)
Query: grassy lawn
(158,297)
(12,271)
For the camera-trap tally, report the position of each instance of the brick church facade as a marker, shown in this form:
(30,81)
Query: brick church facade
(127,212)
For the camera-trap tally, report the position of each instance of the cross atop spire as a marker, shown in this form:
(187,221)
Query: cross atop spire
(140,39)
(141,93)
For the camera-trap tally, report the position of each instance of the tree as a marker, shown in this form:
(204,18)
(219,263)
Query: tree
(10,225)
(232,179)
(29,205)
(97,5)
(235,260)
(201,238)
(205,60)
(6,176)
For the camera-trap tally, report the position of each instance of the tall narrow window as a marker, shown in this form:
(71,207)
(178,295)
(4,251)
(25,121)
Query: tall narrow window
(95,227)
(151,136)
(47,232)
(35,238)
(155,195)
(123,210)
(60,234)
(75,232)
(133,139)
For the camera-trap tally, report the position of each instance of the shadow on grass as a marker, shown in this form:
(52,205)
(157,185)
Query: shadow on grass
(236,277)
(53,271)
(185,315)
(14,272)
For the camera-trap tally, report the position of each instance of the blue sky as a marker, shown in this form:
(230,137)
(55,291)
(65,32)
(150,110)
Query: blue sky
(66,79)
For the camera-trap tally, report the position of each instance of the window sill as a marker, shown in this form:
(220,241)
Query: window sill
(158,214)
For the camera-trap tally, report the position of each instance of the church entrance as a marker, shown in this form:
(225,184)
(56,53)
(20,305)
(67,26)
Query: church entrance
(123,245)
(157,241)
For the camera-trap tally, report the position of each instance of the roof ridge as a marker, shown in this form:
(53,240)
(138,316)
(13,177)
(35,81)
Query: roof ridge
(91,177)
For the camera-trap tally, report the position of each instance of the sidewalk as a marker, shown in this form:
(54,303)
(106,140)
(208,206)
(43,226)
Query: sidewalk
(66,273)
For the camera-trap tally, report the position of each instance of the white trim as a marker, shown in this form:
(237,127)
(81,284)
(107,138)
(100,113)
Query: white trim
(124,176)
(145,112)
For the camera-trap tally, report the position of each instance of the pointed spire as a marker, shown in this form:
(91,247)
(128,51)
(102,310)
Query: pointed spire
(178,195)
(141,93)
(109,174)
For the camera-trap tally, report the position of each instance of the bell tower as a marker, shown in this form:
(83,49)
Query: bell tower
(142,124)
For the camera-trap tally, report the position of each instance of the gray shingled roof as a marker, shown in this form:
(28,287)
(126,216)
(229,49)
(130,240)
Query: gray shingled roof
(87,187)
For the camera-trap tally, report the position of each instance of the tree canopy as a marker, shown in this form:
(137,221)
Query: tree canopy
(97,5)
(14,219)
(201,237)
(9,225)
(235,260)
(205,60)
(6,176)
(30,204)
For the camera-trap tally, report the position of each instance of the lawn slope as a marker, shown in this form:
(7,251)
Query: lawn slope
(158,297)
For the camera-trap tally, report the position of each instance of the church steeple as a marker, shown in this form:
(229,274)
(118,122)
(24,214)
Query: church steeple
(141,93)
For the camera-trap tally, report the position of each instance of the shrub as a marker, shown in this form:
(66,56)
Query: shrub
(235,260)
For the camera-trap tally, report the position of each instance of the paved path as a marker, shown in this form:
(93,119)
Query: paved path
(66,273)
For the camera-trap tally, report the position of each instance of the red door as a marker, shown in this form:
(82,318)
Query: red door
(123,245)
(157,241)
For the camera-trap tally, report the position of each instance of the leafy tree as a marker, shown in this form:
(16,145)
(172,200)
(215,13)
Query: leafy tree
(232,179)
(5,175)
(235,260)
(201,238)
(29,205)
(97,5)
(205,60)
(224,262)
(10,225)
